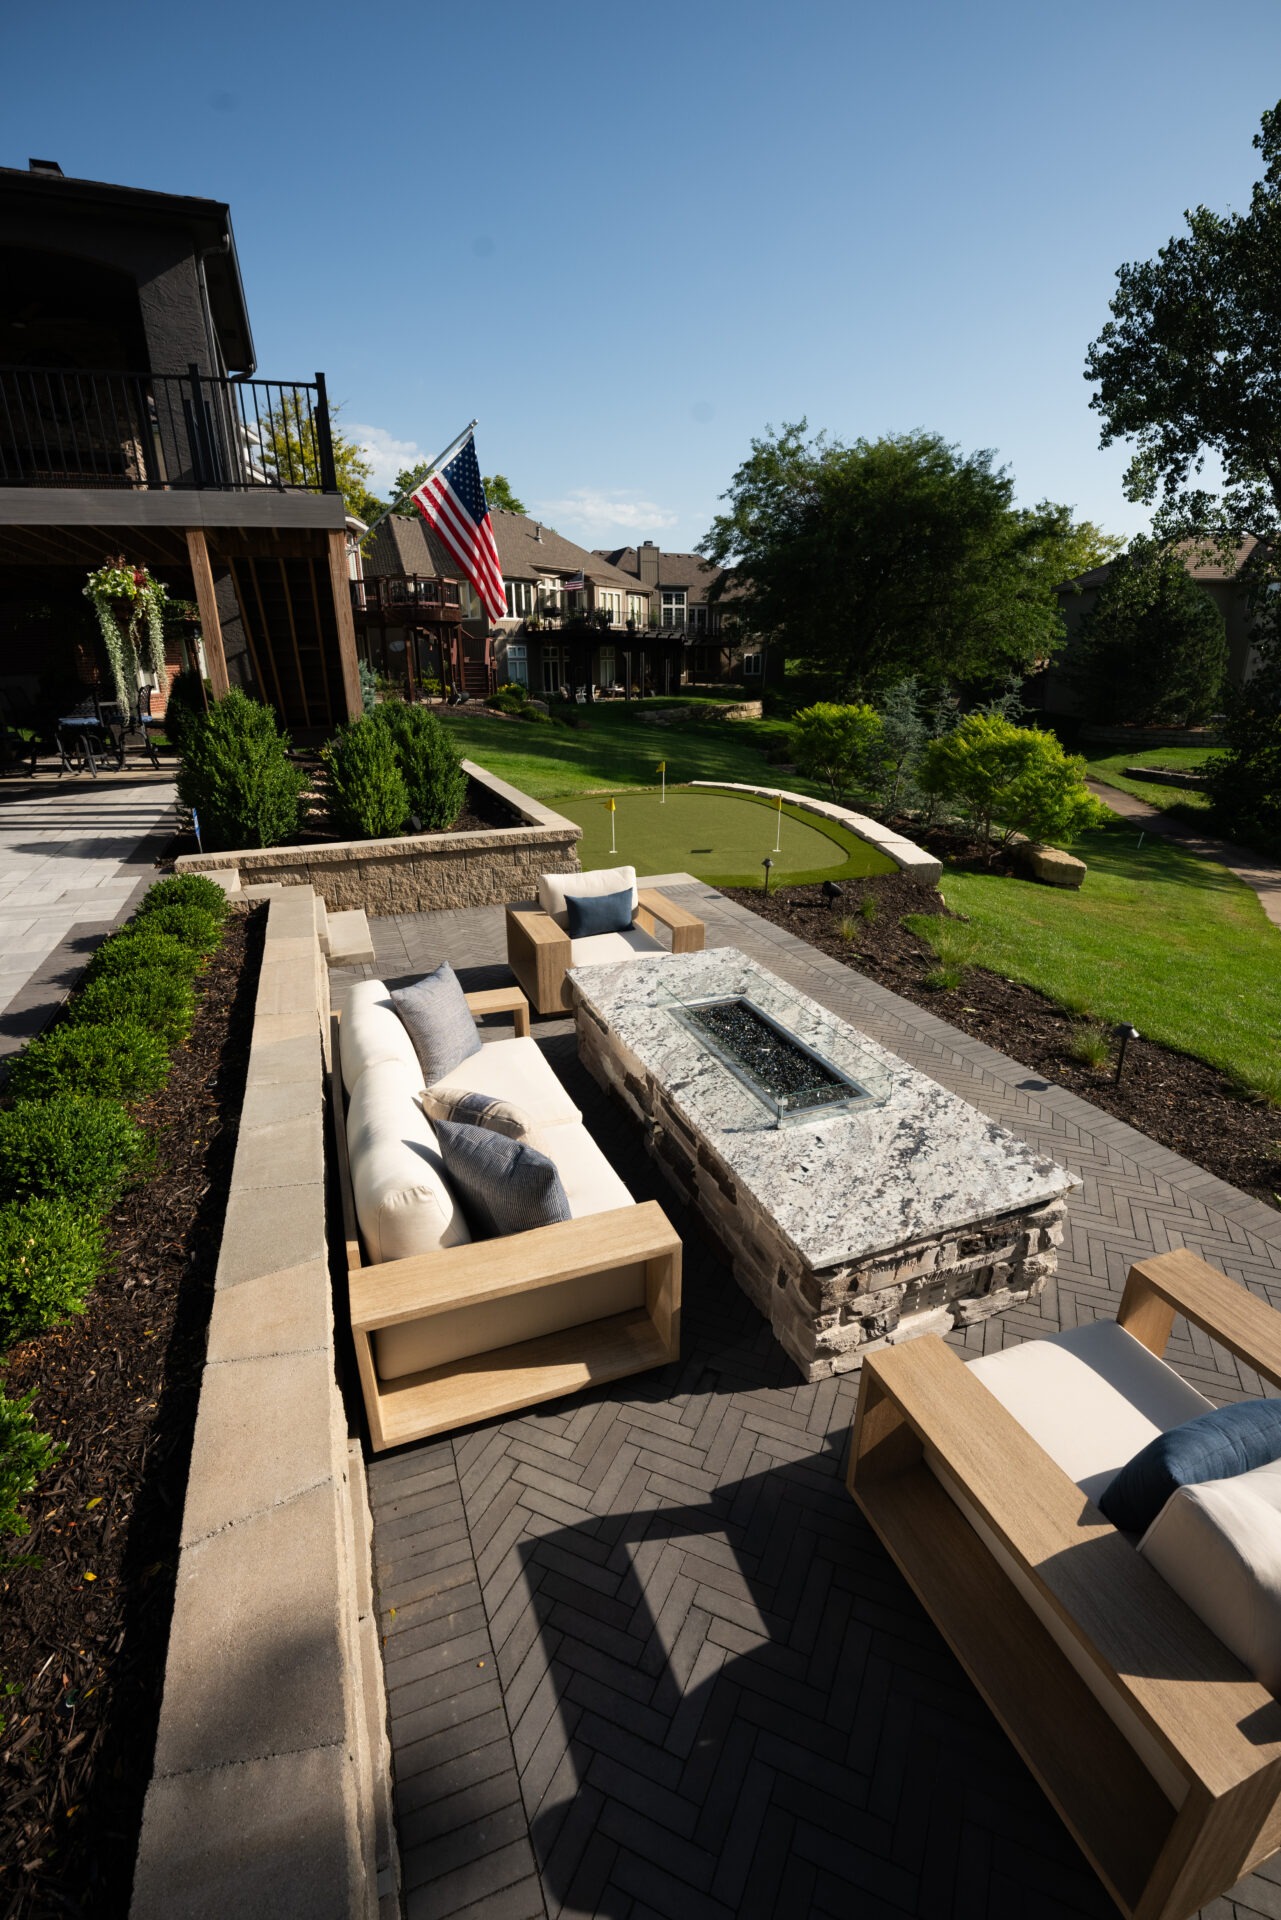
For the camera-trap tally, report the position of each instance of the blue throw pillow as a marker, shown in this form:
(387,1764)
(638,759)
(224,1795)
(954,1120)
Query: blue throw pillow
(1214,1446)
(504,1186)
(588,913)
(438,1021)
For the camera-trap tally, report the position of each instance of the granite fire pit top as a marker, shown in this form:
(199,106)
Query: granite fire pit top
(839,1187)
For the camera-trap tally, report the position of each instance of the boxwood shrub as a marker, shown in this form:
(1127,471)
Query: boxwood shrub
(122,1059)
(51,1252)
(78,1147)
(149,994)
(200,931)
(25,1454)
(133,952)
(184,890)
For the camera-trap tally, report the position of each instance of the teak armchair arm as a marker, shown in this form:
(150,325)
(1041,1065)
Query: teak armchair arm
(686,929)
(538,953)
(1171,1283)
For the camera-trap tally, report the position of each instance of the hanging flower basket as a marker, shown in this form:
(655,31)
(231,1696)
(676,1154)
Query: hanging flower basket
(130,606)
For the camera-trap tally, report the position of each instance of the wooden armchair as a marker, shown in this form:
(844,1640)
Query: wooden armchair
(1157,1748)
(539,952)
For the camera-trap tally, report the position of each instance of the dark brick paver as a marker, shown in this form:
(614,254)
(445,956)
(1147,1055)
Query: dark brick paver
(644,1657)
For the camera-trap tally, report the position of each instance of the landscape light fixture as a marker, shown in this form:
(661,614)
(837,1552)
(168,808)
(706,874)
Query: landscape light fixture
(832,893)
(767,863)
(1124,1033)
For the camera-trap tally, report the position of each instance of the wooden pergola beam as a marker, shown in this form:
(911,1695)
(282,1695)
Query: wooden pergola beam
(207,601)
(340,581)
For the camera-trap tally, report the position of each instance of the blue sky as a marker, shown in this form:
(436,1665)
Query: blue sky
(627,239)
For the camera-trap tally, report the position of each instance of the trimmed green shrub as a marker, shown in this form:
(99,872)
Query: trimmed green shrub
(122,1060)
(843,748)
(192,926)
(1012,779)
(189,698)
(131,951)
(51,1253)
(429,763)
(236,772)
(25,1453)
(155,998)
(183,890)
(77,1147)
(365,792)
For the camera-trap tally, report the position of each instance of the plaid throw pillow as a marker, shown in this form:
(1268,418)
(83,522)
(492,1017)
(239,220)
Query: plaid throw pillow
(505,1186)
(475,1110)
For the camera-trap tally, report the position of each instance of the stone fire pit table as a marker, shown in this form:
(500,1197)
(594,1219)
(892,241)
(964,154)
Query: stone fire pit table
(904,1212)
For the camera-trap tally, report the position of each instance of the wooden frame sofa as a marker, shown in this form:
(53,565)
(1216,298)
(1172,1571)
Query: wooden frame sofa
(1158,1749)
(540,951)
(517,1320)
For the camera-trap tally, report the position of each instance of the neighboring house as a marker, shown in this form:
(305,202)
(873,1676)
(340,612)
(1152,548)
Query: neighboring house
(682,610)
(410,604)
(131,422)
(1052,690)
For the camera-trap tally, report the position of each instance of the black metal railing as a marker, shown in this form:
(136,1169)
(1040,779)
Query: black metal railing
(163,430)
(400,593)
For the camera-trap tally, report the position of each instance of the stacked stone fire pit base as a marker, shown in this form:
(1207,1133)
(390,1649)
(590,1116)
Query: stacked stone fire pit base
(911,1215)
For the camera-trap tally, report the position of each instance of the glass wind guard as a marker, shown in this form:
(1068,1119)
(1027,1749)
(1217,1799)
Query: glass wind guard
(799,1061)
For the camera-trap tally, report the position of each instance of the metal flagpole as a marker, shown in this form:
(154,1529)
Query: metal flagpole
(435,467)
(662,768)
(778,836)
(611,810)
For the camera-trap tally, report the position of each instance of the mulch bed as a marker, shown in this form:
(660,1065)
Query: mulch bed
(84,1634)
(1178,1101)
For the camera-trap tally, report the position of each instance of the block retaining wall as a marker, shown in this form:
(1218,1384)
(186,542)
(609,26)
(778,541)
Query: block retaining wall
(270,1793)
(417,873)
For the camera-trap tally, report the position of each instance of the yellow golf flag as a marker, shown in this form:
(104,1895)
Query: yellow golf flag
(661,767)
(609,806)
(778,803)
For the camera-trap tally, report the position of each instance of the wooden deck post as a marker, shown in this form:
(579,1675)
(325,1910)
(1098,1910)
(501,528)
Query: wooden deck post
(340,581)
(207,601)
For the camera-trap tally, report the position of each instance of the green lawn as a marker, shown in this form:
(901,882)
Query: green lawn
(1157,936)
(1110,772)
(721,837)
(614,749)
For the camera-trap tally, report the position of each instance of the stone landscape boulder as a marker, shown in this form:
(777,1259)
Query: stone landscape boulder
(1051,864)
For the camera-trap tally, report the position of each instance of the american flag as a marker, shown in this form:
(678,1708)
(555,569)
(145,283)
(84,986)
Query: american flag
(452,502)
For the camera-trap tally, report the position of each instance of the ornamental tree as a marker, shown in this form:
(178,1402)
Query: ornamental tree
(843,748)
(892,556)
(1010,780)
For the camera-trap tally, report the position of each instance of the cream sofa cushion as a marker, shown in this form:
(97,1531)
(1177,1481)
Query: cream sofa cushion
(371,1031)
(602,949)
(554,887)
(1218,1544)
(515,1071)
(403,1201)
(1091,1397)
(590,1183)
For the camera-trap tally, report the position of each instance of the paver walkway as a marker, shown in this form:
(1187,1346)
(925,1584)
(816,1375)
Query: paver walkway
(644,1657)
(71,859)
(1263,875)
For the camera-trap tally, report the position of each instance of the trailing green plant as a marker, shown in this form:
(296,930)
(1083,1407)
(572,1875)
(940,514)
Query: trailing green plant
(429,762)
(1010,780)
(131,951)
(364,789)
(25,1454)
(1091,1044)
(51,1253)
(78,1147)
(122,1060)
(192,926)
(235,771)
(129,604)
(156,999)
(184,890)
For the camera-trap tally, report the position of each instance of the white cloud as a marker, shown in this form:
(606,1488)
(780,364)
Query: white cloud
(597,513)
(386,455)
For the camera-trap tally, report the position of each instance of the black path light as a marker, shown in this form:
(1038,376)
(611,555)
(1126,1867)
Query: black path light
(1124,1033)
(768,864)
(832,893)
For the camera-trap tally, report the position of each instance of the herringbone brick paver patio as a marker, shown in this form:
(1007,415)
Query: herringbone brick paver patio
(644,1657)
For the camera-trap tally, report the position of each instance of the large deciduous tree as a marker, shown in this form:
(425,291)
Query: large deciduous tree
(1153,649)
(891,556)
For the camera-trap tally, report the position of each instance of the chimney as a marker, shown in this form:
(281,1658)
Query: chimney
(538,531)
(50,167)
(647,564)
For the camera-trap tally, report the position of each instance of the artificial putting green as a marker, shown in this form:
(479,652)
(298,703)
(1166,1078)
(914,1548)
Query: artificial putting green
(720,837)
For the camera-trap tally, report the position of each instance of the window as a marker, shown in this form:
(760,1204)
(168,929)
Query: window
(517,664)
(551,601)
(552,674)
(607,669)
(751,665)
(521,598)
(673,614)
(469,600)
(636,608)
(611,603)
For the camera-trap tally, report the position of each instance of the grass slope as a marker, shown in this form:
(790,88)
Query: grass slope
(1110,772)
(721,837)
(1157,936)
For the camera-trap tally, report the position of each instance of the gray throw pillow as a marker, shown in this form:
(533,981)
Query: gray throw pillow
(475,1110)
(438,1021)
(504,1185)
